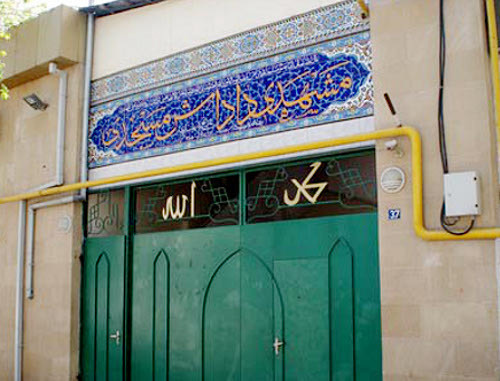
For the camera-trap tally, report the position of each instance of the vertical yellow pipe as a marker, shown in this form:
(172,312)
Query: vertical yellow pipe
(417,183)
(495,77)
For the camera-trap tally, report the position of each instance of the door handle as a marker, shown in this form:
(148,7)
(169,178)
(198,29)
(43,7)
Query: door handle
(116,337)
(277,345)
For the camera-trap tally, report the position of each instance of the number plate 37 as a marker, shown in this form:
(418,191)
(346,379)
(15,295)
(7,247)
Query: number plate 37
(394,214)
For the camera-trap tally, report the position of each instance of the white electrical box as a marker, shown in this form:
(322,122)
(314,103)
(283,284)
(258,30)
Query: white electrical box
(461,194)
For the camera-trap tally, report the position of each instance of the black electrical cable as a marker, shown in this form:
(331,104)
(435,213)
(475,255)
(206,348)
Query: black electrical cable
(442,67)
(441,125)
(446,225)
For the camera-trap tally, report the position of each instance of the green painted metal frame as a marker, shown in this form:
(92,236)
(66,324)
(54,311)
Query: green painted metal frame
(129,236)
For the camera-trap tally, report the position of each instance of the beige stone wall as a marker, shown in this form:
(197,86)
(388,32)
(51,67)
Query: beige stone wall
(28,137)
(27,160)
(51,318)
(439,299)
(8,268)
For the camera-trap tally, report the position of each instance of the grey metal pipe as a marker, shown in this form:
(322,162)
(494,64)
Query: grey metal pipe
(61,121)
(19,292)
(29,249)
(89,52)
(30,263)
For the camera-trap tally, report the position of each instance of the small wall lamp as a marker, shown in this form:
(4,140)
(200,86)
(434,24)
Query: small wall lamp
(35,102)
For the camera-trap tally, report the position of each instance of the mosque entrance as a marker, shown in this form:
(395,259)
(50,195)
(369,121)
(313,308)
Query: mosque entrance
(268,273)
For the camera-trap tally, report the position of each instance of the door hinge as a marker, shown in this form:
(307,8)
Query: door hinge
(81,257)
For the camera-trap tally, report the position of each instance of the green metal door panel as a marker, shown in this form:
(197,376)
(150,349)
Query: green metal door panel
(363,239)
(341,293)
(160,312)
(103,309)
(348,250)
(192,257)
(257,318)
(304,286)
(151,303)
(295,239)
(102,273)
(239,320)
(221,326)
(279,335)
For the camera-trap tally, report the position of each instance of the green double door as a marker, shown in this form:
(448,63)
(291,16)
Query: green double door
(263,274)
(291,300)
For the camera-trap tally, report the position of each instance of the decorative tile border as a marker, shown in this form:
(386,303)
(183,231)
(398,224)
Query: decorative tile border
(323,24)
(319,92)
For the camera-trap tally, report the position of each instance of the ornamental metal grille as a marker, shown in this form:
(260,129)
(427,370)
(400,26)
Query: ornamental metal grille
(105,213)
(203,202)
(327,186)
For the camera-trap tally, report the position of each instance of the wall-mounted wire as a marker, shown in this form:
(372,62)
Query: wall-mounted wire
(446,223)
(392,109)
(442,69)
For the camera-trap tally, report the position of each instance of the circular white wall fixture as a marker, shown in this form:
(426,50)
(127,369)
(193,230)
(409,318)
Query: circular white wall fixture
(392,180)
(64,224)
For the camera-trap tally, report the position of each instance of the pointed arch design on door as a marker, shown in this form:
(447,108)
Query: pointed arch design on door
(341,296)
(102,308)
(160,316)
(101,315)
(234,294)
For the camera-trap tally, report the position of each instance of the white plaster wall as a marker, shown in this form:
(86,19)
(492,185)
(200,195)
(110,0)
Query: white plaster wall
(145,34)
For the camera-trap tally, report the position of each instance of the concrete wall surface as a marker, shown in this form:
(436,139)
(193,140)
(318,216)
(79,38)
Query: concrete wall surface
(439,299)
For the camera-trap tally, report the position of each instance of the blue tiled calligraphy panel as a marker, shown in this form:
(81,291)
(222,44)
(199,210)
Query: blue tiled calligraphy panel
(319,84)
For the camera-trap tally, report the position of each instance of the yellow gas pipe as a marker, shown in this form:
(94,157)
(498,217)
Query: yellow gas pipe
(495,76)
(416,154)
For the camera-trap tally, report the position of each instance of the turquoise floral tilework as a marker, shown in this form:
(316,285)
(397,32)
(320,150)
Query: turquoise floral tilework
(323,24)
